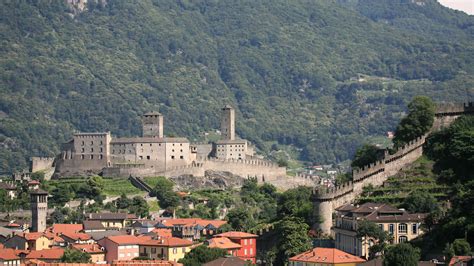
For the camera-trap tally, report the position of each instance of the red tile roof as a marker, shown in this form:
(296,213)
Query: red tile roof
(33,236)
(167,242)
(76,236)
(326,255)
(51,254)
(222,243)
(89,248)
(124,239)
(458,259)
(8,254)
(193,221)
(66,228)
(162,232)
(236,235)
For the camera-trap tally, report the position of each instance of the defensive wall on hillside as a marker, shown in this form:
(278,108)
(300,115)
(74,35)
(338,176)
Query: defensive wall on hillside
(263,170)
(325,201)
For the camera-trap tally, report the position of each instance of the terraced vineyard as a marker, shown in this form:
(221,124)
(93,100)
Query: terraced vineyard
(419,177)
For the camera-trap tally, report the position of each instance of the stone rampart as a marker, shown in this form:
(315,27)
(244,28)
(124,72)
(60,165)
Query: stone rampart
(326,200)
(41,164)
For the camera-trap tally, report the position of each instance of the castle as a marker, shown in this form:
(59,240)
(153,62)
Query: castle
(155,154)
(325,201)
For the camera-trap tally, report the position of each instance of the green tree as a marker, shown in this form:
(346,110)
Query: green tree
(139,207)
(461,247)
(294,238)
(75,256)
(366,155)
(123,202)
(369,230)
(240,219)
(164,193)
(448,252)
(402,254)
(419,121)
(296,202)
(420,201)
(202,254)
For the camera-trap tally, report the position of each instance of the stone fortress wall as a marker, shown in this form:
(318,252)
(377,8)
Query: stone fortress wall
(325,201)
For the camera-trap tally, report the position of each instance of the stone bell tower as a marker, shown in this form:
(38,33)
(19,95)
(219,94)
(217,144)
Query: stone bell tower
(152,125)
(39,210)
(228,123)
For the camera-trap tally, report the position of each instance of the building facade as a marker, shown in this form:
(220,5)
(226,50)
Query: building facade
(39,210)
(247,242)
(400,224)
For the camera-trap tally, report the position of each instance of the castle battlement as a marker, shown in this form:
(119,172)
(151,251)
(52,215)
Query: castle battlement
(323,194)
(443,109)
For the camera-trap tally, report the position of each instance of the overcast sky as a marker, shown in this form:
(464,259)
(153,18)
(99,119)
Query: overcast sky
(464,5)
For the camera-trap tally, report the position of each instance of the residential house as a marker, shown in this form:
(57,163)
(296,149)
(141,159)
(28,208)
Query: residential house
(326,257)
(28,241)
(33,185)
(103,234)
(8,257)
(77,238)
(224,243)
(59,229)
(171,248)
(190,228)
(92,226)
(121,247)
(46,255)
(402,225)
(144,226)
(248,243)
(109,220)
(96,252)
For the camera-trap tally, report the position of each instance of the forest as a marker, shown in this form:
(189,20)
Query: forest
(320,77)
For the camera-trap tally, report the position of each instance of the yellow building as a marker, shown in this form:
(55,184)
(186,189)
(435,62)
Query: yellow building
(29,241)
(109,220)
(96,251)
(324,257)
(170,248)
(400,224)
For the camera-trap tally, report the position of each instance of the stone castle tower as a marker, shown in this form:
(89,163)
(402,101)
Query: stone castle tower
(152,125)
(39,210)
(228,123)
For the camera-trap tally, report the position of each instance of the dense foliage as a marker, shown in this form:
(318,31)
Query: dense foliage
(402,254)
(313,74)
(202,254)
(420,118)
(75,256)
(366,155)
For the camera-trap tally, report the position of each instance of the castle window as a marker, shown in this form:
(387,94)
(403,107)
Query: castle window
(148,157)
(82,143)
(101,157)
(181,150)
(82,149)
(181,157)
(82,156)
(92,157)
(172,157)
(129,151)
(101,142)
(173,144)
(92,143)
(140,157)
(101,149)
(181,144)
(172,150)
(151,144)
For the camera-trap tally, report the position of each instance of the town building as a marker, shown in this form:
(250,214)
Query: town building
(46,255)
(121,247)
(227,261)
(77,238)
(39,210)
(9,188)
(324,256)
(247,242)
(109,220)
(171,248)
(96,252)
(8,257)
(224,243)
(93,226)
(402,225)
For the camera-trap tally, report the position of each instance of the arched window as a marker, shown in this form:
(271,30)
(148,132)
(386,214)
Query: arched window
(402,239)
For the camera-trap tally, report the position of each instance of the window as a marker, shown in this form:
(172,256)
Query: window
(251,251)
(101,142)
(250,241)
(402,228)
(245,241)
(150,144)
(101,157)
(148,157)
(82,143)
(245,251)
(140,157)
(153,250)
(175,250)
(82,149)
(414,228)
(92,157)
(172,157)
(402,239)
(172,150)
(101,149)
(390,228)
(92,143)
(92,149)
(381,226)
(181,157)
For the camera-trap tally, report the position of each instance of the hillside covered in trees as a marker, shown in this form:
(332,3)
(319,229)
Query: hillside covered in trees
(322,76)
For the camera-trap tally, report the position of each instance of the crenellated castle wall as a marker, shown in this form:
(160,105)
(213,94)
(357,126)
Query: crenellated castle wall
(326,200)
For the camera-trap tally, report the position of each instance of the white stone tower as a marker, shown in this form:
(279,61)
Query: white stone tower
(228,123)
(152,125)
(39,210)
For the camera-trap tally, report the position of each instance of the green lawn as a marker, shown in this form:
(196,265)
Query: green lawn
(152,181)
(117,186)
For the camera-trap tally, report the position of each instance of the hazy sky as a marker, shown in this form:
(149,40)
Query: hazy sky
(464,5)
